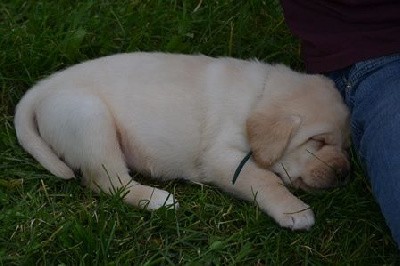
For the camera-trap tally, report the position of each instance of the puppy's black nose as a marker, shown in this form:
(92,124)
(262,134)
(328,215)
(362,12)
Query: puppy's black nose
(343,175)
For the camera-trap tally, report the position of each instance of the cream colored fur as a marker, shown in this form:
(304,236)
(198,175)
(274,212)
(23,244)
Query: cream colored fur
(191,117)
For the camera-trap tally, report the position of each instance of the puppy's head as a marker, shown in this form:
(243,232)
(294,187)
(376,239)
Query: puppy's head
(299,130)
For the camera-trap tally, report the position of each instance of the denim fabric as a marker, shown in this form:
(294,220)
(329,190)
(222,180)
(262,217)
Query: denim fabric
(371,89)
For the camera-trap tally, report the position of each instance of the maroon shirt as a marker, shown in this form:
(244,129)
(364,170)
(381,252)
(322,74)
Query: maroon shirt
(337,33)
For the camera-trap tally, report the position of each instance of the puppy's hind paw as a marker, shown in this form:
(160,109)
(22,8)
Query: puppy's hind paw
(160,198)
(300,220)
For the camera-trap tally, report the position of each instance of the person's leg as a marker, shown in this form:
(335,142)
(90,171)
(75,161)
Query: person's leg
(372,91)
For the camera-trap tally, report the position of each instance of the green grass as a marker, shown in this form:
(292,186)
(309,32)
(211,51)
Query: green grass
(48,221)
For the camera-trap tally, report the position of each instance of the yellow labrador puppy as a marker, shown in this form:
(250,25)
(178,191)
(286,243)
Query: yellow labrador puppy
(191,117)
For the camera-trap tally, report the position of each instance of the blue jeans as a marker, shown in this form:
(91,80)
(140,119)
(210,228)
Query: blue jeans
(371,89)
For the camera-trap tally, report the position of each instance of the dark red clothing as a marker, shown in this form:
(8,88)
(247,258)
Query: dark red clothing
(337,33)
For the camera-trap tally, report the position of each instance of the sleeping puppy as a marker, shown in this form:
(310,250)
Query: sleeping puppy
(190,117)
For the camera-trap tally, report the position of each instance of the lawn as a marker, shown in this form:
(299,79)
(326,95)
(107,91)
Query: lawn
(48,221)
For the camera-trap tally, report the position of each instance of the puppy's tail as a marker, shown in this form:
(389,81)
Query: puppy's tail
(29,138)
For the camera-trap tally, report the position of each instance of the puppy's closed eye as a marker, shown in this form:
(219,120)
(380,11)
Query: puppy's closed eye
(317,142)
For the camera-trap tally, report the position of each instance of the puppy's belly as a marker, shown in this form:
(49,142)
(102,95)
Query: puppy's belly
(163,157)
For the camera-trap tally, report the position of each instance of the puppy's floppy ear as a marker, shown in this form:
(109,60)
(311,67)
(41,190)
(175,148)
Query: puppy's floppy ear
(269,135)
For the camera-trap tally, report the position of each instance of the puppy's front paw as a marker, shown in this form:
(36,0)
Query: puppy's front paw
(302,219)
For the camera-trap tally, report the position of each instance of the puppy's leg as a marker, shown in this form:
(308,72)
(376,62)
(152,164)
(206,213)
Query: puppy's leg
(262,186)
(81,129)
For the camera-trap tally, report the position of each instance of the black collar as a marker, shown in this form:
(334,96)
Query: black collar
(239,168)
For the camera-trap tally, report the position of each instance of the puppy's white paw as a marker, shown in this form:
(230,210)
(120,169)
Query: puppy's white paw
(158,199)
(303,219)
